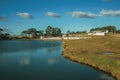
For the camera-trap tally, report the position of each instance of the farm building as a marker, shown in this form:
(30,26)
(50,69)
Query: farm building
(99,33)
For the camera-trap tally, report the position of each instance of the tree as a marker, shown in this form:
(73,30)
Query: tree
(49,31)
(118,31)
(30,32)
(1,29)
(33,32)
(40,33)
(53,32)
(25,33)
(79,32)
(4,35)
(56,32)
(111,29)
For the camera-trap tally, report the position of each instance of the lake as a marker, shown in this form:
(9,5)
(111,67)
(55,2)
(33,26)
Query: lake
(41,60)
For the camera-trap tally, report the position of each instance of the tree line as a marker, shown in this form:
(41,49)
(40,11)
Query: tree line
(111,29)
(49,32)
(4,35)
(75,32)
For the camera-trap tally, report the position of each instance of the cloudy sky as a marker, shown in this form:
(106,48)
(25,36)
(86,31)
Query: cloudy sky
(18,15)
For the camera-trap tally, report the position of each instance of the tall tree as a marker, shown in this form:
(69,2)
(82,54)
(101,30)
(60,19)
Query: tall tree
(49,31)
(1,30)
(25,33)
(33,32)
(40,33)
(68,33)
(4,35)
(56,32)
(53,32)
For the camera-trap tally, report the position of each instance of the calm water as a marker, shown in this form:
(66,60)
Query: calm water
(41,60)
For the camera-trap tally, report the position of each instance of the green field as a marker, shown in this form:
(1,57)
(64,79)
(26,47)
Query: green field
(93,52)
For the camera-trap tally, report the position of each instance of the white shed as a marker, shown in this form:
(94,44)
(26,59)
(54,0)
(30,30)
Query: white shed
(99,33)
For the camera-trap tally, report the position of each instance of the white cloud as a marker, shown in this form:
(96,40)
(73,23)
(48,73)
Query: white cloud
(110,13)
(81,14)
(51,14)
(24,15)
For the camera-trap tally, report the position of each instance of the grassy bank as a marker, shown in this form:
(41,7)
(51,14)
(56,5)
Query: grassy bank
(91,52)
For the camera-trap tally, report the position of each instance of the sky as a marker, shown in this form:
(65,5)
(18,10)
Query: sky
(73,15)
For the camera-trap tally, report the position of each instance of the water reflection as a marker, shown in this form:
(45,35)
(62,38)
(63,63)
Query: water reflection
(52,49)
(53,60)
(17,46)
(25,61)
(41,60)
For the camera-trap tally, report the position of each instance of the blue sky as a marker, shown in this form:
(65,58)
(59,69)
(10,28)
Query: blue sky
(74,15)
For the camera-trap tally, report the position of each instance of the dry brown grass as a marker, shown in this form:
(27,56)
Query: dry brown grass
(88,51)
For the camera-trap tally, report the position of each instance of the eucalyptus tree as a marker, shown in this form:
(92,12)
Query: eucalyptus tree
(4,35)
(1,30)
(25,33)
(40,33)
(33,32)
(49,31)
(56,32)
(53,32)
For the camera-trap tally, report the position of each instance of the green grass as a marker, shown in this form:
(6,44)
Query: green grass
(89,51)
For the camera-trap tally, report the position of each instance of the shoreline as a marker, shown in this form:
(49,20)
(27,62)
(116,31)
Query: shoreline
(88,64)
(89,52)
(54,38)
